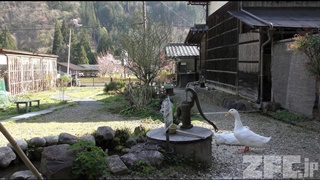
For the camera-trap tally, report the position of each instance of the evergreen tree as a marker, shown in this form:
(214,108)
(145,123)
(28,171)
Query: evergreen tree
(89,18)
(82,55)
(74,48)
(105,44)
(58,39)
(85,42)
(65,32)
(7,40)
(88,15)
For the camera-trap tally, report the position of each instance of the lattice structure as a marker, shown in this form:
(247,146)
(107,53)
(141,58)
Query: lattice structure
(30,72)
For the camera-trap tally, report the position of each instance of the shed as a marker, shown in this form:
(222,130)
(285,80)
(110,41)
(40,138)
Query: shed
(186,62)
(73,69)
(28,71)
(90,69)
(197,37)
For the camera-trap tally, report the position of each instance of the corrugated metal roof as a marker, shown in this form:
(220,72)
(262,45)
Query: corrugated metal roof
(93,67)
(280,17)
(181,50)
(11,51)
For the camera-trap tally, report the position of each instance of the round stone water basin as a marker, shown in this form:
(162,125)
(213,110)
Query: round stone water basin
(200,149)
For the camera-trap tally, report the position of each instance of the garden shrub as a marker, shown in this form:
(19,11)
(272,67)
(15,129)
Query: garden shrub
(90,161)
(114,86)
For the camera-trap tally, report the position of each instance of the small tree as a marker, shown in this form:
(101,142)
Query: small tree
(145,46)
(309,44)
(145,50)
(64,81)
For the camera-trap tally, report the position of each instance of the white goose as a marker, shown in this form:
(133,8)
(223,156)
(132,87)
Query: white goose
(244,135)
(227,138)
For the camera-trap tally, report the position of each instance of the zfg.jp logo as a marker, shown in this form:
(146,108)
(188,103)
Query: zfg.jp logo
(279,165)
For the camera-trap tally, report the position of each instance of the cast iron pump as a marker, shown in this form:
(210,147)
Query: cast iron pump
(184,111)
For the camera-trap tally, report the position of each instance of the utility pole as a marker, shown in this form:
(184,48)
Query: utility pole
(69,46)
(75,24)
(144,15)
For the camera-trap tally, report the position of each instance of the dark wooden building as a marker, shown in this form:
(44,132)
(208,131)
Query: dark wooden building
(240,38)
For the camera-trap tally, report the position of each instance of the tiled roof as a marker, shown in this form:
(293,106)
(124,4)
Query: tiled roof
(195,34)
(181,50)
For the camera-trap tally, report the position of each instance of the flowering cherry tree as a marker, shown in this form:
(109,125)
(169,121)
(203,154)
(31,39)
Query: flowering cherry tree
(108,65)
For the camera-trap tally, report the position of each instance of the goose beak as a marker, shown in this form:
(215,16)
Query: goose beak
(228,114)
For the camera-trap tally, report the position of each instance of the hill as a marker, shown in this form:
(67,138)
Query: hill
(32,23)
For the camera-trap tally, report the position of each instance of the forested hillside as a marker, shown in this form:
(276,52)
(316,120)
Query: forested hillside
(44,26)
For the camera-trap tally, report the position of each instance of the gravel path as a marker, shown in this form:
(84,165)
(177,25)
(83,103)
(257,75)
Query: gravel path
(286,140)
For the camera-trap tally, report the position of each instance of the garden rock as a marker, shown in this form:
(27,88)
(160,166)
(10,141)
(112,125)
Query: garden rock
(57,161)
(231,104)
(7,155)
(21,143)
(37,142)
(51,140)
(240,106)
(66,138)
(270,107)
(153,157)
(139,155)
(137,148)
(106,132)
(27,174)
(141,139)
(125,150)
(116,166)
(89,138)
(131,141)
(130,160)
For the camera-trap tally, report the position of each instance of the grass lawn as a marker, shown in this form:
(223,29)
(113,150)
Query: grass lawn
(38,127)
(46,100)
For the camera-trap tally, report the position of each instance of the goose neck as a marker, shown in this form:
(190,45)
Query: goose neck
(238,122)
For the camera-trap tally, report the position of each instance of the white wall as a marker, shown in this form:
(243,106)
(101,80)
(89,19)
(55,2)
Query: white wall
(3,59)
(292,86)
(215,5)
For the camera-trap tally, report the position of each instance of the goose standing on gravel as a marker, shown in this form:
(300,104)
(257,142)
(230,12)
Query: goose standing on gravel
(244,135)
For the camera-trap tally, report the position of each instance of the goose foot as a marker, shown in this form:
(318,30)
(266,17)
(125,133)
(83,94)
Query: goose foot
(245,149)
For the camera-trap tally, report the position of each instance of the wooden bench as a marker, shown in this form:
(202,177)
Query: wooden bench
(27,104)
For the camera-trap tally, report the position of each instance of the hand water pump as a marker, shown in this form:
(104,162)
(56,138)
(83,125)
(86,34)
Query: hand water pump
(184,111)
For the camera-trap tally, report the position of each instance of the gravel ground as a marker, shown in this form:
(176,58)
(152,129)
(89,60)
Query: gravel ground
(286,140)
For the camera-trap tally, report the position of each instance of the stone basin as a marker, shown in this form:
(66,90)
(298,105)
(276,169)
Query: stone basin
(200,149)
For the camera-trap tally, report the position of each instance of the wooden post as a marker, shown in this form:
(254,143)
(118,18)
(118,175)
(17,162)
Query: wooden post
(19,151)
